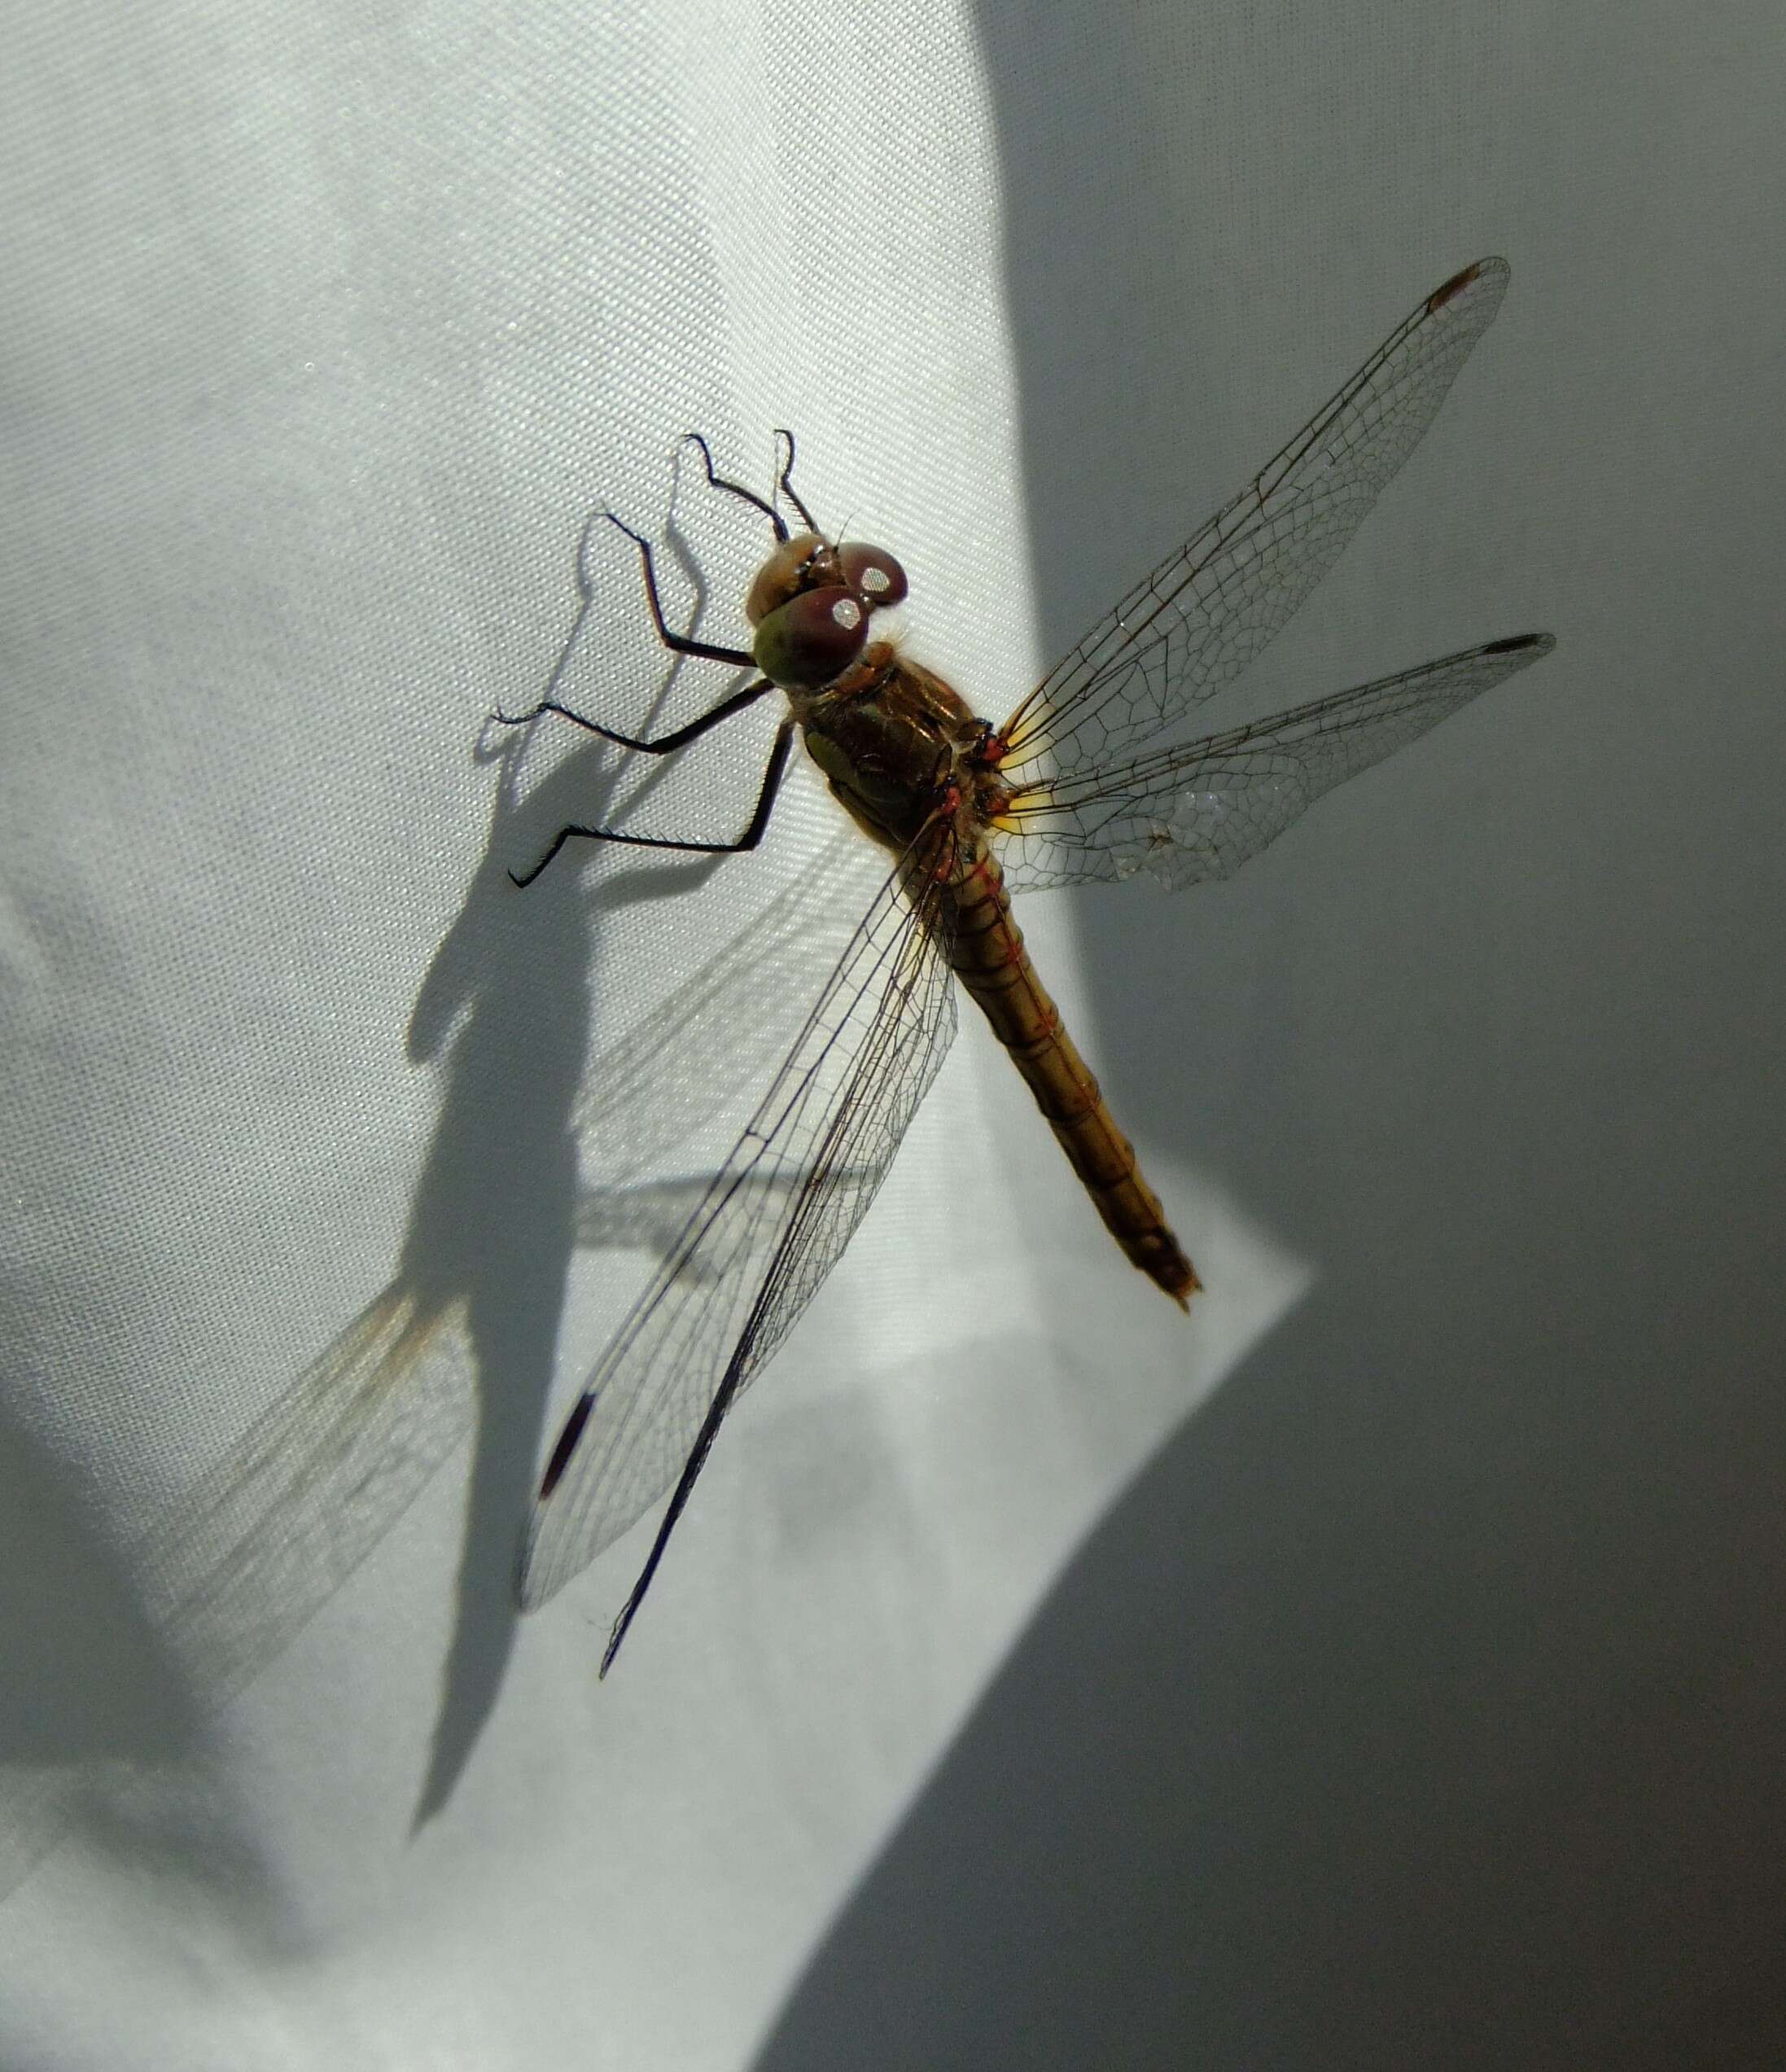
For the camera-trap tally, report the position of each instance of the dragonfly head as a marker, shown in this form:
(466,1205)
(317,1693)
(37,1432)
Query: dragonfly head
(810,604)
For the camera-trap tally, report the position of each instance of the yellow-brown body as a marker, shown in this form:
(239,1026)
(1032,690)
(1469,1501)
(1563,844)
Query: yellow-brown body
(903,752)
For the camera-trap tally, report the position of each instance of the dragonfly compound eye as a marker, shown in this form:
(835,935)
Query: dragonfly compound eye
(873,574)
(811,638)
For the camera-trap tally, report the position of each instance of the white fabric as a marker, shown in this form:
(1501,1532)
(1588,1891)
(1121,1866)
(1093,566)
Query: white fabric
(326,333)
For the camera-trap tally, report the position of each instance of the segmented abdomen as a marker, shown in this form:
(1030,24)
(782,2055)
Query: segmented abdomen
(986,947)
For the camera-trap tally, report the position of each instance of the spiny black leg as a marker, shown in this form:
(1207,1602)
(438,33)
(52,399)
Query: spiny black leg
(740,658)
(666,743)
(784,482)
(749,839)
(736,488)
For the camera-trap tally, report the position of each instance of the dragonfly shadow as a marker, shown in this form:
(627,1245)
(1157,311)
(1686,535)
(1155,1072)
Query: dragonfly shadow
(110,1695)
(503,1208)
(462,1337)
(87,1690)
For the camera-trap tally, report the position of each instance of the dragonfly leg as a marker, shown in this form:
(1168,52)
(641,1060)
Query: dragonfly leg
(783,483)
(740,658)
(665,743)
(749,839)
(718,481)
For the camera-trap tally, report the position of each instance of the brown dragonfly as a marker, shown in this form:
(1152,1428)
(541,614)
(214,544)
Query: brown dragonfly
(1070,789)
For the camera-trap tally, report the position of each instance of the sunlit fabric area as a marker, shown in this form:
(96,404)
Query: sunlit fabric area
(1378,1662)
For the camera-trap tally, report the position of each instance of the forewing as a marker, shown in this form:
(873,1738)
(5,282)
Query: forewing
(1199,620)
(768,1229)
(1197,812)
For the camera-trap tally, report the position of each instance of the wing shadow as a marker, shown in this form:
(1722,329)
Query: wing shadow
(462,1338)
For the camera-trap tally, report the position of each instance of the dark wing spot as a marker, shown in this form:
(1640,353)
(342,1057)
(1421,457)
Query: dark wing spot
(566,1446)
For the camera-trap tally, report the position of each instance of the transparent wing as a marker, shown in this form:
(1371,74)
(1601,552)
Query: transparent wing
(1203,615)
(768,1229)
(1198,811)
(708,1046)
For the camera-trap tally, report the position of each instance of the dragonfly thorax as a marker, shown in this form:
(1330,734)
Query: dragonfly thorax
(897,745)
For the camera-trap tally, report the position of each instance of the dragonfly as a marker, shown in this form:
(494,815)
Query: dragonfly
(1081,783)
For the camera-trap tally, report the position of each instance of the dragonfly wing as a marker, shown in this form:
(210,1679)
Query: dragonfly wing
(1198,621)
(707,1046)
(1198,811)
(768,1229)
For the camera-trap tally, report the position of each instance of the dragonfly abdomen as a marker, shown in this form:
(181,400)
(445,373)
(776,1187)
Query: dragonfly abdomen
(986,950)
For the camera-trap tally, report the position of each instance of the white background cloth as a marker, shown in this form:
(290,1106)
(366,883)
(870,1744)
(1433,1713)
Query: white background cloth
(1418,1699)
